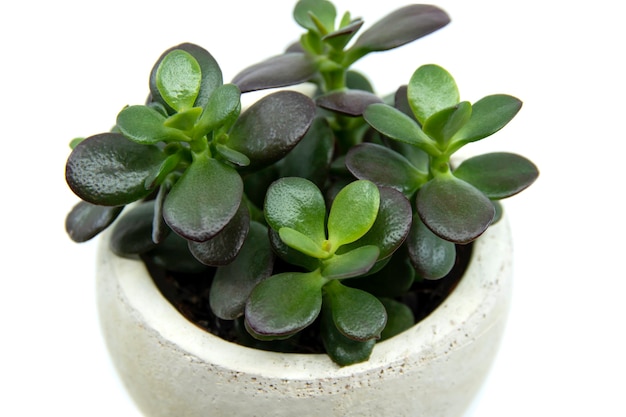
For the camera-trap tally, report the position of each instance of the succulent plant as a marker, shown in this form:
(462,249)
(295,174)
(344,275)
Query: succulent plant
(304,209)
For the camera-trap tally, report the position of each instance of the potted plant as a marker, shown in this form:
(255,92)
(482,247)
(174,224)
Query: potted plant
(304,224)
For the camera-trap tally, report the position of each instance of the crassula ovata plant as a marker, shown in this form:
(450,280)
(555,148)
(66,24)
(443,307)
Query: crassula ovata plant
(304,209)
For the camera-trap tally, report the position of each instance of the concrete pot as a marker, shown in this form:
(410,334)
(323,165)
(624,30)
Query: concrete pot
(170,367)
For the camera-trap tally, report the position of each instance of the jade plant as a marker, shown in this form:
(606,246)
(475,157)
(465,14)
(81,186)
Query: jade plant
(307,211)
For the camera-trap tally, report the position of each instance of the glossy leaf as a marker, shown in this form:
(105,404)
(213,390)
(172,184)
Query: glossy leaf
(489,115)
(284,304)
(453,209)
(204,200)
(222,108)
(86,220)
(302,243)
(109,169)
(145,125)
(341,349)
(431,256)
(279,71)
(298,204)
(399,318)
(232,156)
(353,212)
(398,28)
(168,165)
(184,120)
(442,125)
(234,282)
(290,255)
(396,125)
(357,314)
(272,127)
(210,70)
(340,38)
(384,167)
(132,233)
(430,90)
(392,224)
(498,175)
(348,102)
(351,264)
(322,9)
(178,79)
(222,248)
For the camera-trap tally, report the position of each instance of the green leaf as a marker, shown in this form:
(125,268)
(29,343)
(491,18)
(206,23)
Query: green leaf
(167,167)
(431,256)
(341,349)
(399,318)
(234,282)
(132,233)
(323,10)
(86,220)
(271,127)
(302,243)
(203,200)
(145,126)
(184,120)
(284,304)
(356,314)
(445,123)
(396,125)
(385,168)
(292,256)
(489,115)
(352,213)
(109,169)
(348,102)
(222,248)
(178,79)
(298,204)
(399,28)
(498,175)
(232,156)
(340,38)
(222,108)
(279,71)
(430,90)
(351,264)
(453,209)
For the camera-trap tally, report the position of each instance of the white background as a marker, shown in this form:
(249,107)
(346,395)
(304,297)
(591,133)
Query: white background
(67,68)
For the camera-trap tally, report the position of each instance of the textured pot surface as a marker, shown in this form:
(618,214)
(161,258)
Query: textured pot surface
(172,368)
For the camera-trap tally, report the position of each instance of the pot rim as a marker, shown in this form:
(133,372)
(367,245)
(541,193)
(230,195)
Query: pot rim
(463,310)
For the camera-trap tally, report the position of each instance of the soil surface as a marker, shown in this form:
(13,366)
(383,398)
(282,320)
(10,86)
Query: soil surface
(189,294)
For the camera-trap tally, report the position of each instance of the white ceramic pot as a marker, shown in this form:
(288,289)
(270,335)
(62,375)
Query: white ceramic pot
(172,368)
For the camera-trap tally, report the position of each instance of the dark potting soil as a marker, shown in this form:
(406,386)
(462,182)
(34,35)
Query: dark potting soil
(189,294)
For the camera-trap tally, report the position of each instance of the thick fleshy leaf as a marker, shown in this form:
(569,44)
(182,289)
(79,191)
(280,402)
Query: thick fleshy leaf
(167,167)
(351,264)
(290,255)
(298,204)
(284,304)
(430,90)
(357,314)
(184,120)
(312,156)
(144,125)
(178,79)
(86,220)
(353,212)
(210,70)
(489,115)
(442,125)
(302,243)
(234,282)
(357,81)
(173,255)
(431,256)
(222,248)
(348,102)
(498,175)
(222,108)
(394,124)
(279,71)
(204,200)
(132,233)
(109,169)
(385,168)
(340,38)
(323,10)
(398,28)
(341,349)
(272,127)
(399,318)
(392,224)
(232,156)
(453,209)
